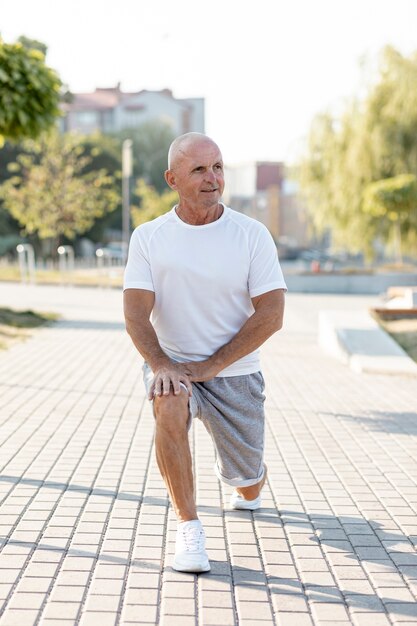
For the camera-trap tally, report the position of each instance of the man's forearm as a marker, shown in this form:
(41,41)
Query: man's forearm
(167,374)
(250,337)
(255,331)
(146,342)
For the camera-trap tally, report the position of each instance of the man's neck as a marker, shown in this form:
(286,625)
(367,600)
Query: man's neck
(199,217)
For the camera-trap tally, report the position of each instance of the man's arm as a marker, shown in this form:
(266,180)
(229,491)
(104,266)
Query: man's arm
(138,305)
(265,321)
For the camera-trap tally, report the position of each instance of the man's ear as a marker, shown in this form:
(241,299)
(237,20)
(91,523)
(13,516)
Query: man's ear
(170,179)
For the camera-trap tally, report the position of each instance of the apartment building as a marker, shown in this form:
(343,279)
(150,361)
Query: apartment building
(263,190)
(110,110)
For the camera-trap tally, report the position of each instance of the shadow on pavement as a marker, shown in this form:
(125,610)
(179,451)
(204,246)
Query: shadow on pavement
(62,486)
(393,422)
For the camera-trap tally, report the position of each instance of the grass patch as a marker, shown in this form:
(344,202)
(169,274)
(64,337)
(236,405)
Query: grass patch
(105,277)
(15,325)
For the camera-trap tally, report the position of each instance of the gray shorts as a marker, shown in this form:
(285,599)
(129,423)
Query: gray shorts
(232,411)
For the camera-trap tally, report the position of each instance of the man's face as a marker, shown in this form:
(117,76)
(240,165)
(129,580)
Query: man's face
(197,175)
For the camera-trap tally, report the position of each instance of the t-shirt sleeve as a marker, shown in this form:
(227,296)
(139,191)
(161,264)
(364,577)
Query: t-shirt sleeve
(265,272)
(138,273)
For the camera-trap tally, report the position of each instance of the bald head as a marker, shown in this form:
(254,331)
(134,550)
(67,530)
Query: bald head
(181,144)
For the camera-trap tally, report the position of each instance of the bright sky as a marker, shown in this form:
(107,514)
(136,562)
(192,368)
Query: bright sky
(265,67)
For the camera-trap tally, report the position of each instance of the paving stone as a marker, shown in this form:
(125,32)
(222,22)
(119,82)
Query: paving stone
(318,593)
(175,606)
(92,618)
(25,600)
(329,611)
(363,619)
(386,579)
(61,610)
(102,603)
(222,599)
(293,619)
(364,602)
(395,594)
(294,602)
(215,616)
(67,593)
(402,611)
(19,617)
(254,610)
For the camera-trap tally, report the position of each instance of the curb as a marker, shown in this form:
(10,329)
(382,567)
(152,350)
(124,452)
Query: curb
(357,340)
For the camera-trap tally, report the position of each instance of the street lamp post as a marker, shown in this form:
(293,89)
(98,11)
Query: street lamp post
(126,175)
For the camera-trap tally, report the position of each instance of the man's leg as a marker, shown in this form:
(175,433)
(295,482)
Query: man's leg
(173,453)
(252,492)
(174,461)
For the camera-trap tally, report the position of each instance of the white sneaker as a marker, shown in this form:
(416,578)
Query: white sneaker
(190,552)
(239,503)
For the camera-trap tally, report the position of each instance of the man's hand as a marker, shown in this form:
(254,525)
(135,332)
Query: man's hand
(167,379)
(200,371)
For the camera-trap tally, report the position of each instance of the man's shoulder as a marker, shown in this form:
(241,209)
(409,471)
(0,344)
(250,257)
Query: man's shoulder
(245,221)
(147,229)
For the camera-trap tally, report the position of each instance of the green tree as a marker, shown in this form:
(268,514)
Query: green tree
(151,143)
(375,138)
(8,225)
(105,154)
(29,92)
(153,204)
(33,44)
(51,194)
(393,201)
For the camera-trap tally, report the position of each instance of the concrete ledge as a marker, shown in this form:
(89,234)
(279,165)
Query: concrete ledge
(356,339)
(374,284)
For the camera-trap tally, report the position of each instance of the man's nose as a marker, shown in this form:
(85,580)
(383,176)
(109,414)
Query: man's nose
(210,174)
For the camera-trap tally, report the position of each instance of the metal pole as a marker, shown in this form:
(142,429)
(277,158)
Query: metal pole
(66,263)
(26,262)
(126,174)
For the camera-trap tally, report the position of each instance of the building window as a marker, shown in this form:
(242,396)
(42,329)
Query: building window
(87,118)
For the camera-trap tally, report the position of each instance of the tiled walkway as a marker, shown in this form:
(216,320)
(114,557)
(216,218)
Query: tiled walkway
(86,531)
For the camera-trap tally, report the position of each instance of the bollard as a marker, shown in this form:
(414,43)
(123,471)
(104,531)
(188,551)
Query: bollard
(66,263)
(102,267)
(26,263)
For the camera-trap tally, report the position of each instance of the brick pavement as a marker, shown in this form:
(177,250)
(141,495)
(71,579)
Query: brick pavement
(86,531)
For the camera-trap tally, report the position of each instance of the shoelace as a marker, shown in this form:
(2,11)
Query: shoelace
(193,539)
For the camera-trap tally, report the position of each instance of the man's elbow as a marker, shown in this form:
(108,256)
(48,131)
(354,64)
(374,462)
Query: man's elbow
(129,325)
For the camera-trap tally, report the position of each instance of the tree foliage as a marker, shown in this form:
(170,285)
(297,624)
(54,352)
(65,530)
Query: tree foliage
(33,44)
(51,192)
(374,139)
(153,204)
(394,202)
(29,91)
(151,143)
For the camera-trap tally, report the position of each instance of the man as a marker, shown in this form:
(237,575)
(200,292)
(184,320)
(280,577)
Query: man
(203,290)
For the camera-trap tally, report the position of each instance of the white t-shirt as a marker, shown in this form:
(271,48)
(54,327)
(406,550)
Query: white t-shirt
(204,278)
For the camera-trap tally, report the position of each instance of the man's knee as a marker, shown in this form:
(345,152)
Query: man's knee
(172,413)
